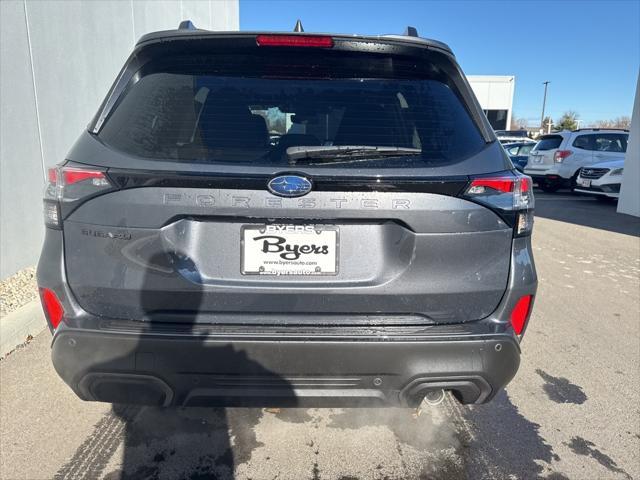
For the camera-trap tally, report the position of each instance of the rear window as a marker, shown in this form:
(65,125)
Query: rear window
(243,110)
(549,142)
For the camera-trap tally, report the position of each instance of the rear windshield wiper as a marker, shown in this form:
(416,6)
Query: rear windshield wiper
(346,153)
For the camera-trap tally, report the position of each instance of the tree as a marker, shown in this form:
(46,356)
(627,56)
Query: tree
(568,121)
(518,123)
(619,122)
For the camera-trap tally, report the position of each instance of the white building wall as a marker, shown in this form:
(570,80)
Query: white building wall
(494,92)
(630,190)
(57,61)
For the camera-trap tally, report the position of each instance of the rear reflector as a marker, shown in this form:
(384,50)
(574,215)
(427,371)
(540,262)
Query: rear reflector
(294,41)
(520,314)
(52,307)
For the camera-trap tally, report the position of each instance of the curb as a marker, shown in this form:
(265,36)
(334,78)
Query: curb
(16,327)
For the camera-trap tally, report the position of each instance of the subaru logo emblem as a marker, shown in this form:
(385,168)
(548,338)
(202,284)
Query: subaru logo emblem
(289,186)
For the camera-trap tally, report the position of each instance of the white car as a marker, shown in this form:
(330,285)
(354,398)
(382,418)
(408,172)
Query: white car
(504,140)
(513,136)
(557,158)
(601,179)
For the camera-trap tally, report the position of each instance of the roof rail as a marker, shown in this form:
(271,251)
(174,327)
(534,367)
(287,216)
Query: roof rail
(186,25)
(600,128)
(411,32)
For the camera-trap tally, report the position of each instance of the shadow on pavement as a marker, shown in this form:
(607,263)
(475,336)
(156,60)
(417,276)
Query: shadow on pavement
(176,442)
(505,444)
(586,211)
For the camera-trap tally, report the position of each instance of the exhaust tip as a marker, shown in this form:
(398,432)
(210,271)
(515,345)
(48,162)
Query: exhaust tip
(434,397)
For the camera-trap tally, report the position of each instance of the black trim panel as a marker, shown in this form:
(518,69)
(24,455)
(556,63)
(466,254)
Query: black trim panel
(452,186)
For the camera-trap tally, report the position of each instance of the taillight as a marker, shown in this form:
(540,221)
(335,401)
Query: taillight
(72,176)
(68,185)
(316,41)
(520,314)
(52,307)
(561,155)
(510,195)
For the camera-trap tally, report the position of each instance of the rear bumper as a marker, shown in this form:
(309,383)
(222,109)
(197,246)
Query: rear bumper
(379,367)
(549,178)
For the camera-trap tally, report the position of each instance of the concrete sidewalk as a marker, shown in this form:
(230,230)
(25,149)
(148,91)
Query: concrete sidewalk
(18,326)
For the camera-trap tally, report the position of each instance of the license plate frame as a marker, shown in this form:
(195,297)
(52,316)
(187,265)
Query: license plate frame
(584,182)
(253,262)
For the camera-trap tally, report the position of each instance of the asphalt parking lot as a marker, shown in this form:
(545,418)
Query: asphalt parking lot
(573,410)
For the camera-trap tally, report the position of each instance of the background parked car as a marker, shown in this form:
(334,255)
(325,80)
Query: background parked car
(555,161)
(519,153)
(511,136)
(601,179)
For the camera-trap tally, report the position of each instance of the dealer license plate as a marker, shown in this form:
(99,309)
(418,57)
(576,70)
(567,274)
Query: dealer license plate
(289,250)
(584,182)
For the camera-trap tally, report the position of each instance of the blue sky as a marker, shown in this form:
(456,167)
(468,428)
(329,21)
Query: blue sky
(589,50)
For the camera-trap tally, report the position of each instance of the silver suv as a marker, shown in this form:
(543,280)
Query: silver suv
(287,219)
(556,160)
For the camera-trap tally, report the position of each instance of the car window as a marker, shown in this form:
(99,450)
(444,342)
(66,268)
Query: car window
(184,111)
(583,142)
(513,150)
(611,142)
(549,142)
(525,149)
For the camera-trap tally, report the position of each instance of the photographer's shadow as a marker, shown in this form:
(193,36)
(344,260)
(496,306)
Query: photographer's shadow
(203,440)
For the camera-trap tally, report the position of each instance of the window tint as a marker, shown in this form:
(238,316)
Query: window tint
(549,142)
(610,142)
(583,142)
(186,113)
(513,150)
(525,149)
(497,118)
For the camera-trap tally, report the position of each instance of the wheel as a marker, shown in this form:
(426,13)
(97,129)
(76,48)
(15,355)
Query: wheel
(549,187)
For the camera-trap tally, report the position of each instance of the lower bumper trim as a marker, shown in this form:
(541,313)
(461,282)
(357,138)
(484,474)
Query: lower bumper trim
(167,370)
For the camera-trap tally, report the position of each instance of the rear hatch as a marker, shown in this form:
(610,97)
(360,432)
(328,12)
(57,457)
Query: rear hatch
(240,181)
(541,156)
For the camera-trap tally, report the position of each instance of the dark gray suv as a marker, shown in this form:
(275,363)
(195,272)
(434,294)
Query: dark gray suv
(287,219)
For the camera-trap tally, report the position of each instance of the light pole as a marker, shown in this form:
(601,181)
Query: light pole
(544,103)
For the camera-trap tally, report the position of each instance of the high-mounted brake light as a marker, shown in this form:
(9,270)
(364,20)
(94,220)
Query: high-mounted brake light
(52,307)
(294,41)
(520,314)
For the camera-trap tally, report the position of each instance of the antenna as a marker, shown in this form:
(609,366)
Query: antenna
(186,25)
(411,32)
(298,28)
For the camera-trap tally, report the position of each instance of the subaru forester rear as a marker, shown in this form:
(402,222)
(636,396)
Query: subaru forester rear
(287,219)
